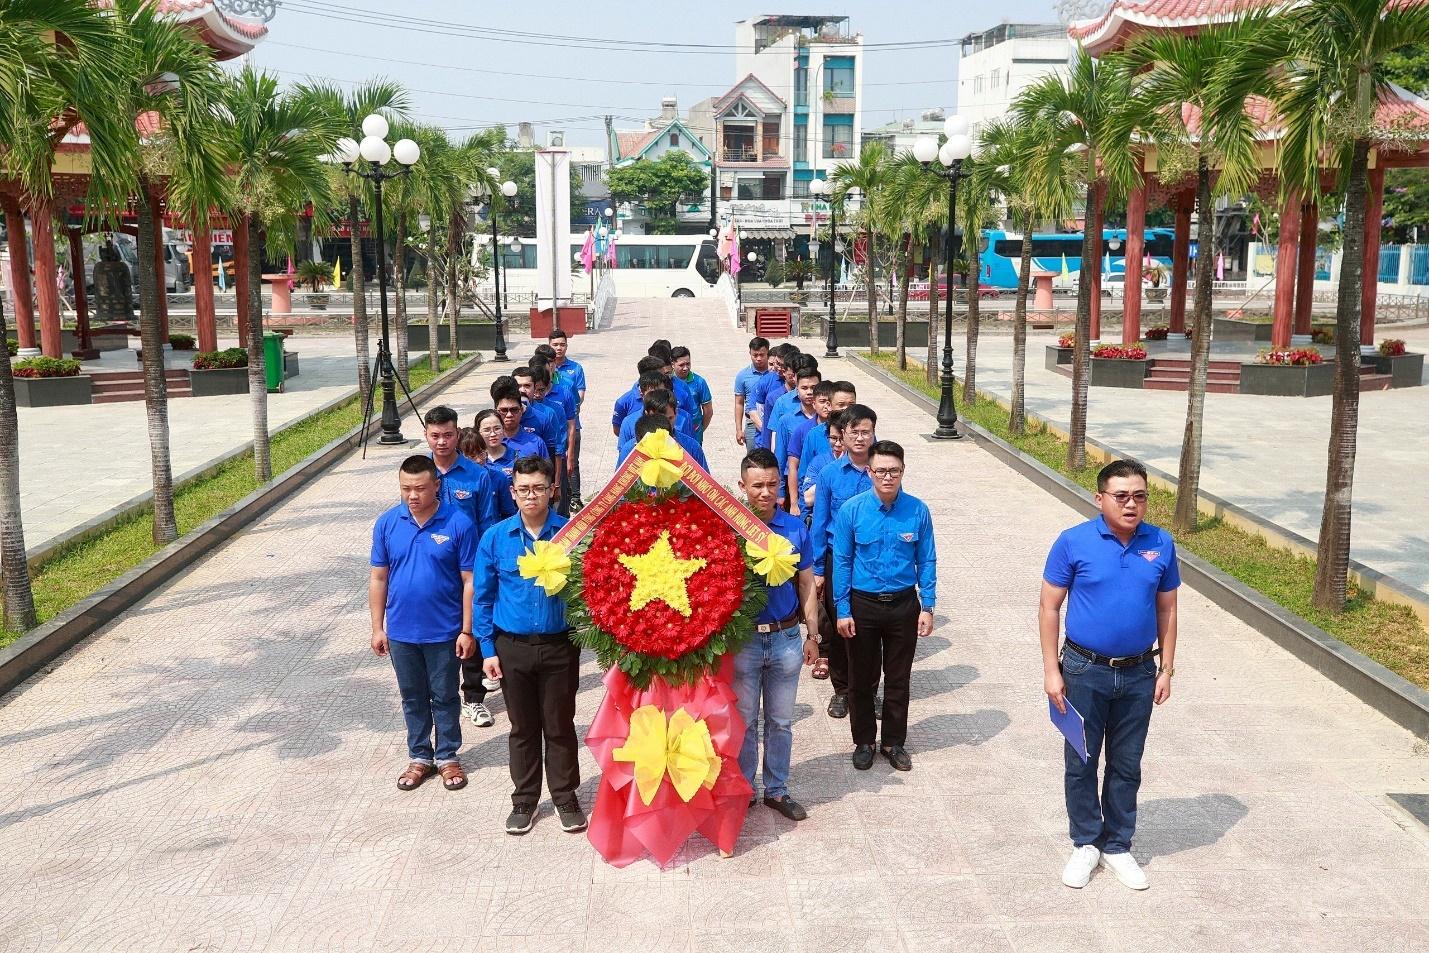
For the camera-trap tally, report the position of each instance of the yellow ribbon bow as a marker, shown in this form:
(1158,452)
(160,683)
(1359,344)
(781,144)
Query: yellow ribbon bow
(681,748)
(547,564)
(662,469)
(776,562)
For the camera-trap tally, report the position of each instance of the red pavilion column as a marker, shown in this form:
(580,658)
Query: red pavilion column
(1135,250)
(240,276)
(1369,290)
(1305,272)
(205,323)
(47,292)
(1092,271)
(1286,261)
(20,289)
(1180,262)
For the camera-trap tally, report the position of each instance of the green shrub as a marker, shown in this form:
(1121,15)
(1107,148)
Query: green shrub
(314,275)
(12,346)
(775,273)
(217,360)
(46,367)
(182,342)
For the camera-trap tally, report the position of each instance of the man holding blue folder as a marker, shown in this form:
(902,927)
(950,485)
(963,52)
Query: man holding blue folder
(1122,577)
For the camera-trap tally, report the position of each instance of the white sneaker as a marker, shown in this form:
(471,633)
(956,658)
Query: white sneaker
(490,684)
(1078,872)
(1127,870)
(479,714)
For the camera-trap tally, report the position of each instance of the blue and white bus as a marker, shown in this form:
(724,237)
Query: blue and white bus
(1002,252)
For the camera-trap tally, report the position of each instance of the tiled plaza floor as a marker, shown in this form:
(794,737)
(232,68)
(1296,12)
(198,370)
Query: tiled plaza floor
(215,771)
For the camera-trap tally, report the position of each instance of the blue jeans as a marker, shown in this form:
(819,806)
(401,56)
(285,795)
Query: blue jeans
(1115,705)
(768,667)
(427,678)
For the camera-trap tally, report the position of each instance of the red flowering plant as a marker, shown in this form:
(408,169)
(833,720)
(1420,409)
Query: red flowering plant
(714,591)
(1067,340)
(1157,333)
(1295,357)
(1393,347)
(1120,352)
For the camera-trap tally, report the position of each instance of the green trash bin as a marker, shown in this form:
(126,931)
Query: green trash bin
(273,361)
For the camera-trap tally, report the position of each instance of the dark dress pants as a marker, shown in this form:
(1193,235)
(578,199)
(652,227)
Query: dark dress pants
(832,646)
(539,677)
(885,640)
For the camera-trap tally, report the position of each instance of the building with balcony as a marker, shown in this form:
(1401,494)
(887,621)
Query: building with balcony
(999,63)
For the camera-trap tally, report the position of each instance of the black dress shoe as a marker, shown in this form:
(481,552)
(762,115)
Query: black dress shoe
(838,706)
(787,806)
(863,757)
(898,758)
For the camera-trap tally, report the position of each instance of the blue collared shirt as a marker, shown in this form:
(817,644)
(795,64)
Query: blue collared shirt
(809,472)
(503,598)
(1111,608)
(571,374)
(784,599)
(786,405)
(527,443)
(748,383)
(500,473)
(424,566)
(631,401)
(467,486)
(565,399)
(700,390)
(627,426)
(838,483)
(810,443)
(627,441)
(769,397)
(548,423)
(882,547)
(792,428)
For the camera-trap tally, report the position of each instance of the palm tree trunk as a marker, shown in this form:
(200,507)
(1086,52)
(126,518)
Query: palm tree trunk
(1017,421)
(250,230)
(399,282)
(359,297)
(1081,347)
(156,396)
(900,330)
(1332,558)
(970,358)
(1188,480)
(453,292)
(432,323)
(870,281)
(19,602)
(930,362)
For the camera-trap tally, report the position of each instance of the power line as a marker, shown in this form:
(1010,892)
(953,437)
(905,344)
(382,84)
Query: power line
(444,92)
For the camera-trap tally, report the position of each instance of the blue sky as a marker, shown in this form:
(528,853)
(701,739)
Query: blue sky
(466,81)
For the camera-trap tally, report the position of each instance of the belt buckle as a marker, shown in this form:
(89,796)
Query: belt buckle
(886,596)
(1125,661)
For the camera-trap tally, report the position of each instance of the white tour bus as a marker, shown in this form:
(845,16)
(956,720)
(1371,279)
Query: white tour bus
(647,266)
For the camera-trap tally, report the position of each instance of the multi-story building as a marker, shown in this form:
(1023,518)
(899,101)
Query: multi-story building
(900,134)
(665,133)
(999,63)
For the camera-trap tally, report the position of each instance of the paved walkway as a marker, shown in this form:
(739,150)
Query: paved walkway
(215,770)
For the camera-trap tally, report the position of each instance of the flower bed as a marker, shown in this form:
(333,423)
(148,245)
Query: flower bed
(1322,336)
(1394,359)
(1295,357)
(1067,340)
(1159,333)
(221,360)
(1297,372)
(1119,365)
(1119,352)
(50,382)
(1393,347)
(45,367)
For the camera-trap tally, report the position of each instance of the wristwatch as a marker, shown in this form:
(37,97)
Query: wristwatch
(1164,670)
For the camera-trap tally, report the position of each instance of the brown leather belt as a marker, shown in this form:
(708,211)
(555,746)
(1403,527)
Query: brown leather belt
(780,626)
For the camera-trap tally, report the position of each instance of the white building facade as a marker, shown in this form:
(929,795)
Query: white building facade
(999,63)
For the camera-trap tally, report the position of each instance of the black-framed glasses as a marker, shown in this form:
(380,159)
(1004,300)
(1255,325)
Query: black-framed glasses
(532,490)
(887,473)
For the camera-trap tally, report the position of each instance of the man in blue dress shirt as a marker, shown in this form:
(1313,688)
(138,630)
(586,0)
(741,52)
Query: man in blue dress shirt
(786,362)
(651,422)
(679,420)
(506,401)
(465,483)
(572,375)
(815,441)
(526,641)
(567,407)
(1122,576)
(629,402)
(885,587)
(419,594)
(684,396)
(699,388)
(545,418)
(746,434)
(767,669)
(793,427)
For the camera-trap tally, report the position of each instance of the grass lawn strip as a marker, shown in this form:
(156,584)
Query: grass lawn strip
(1390,634)
(93,563)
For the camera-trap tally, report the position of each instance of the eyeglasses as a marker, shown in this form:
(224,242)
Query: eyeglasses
(531,490)
(887,473)
(508,411)
(489,431)
(1123,498)
(858,434)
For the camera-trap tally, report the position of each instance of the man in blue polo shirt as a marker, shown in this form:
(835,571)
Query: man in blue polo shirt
(699,388)
(684,396)
(1122,575)
(525,638)
(629,402)
(419,594)
(506,401)
(651,422)
(649,383)
(544,419)
(746,434)
(815,441)
(885,588)
(792,428)
(767,669)
(786,362)
(571,375)
(562,400)
(465,483)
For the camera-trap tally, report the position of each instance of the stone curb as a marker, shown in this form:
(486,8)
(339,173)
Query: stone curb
(1393,696)
(43,644)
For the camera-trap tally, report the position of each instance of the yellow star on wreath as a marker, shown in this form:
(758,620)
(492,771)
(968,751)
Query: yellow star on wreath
(660,574)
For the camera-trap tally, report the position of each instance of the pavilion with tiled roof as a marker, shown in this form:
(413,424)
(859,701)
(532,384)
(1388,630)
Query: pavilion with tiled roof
(1397,108)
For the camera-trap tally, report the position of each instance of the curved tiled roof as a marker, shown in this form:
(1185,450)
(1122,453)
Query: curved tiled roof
(1124,17)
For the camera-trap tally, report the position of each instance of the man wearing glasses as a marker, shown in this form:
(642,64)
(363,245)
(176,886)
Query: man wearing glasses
(885,585)
(1122,576)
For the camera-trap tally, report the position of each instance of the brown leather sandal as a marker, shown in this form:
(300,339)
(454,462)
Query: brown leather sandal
(821,668)
(453,777)
(414,775)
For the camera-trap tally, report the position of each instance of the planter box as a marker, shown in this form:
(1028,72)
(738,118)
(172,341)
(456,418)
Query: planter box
(316,301)
(855,333)
(1275,380)
(290,364)
(1406,369)
(571,319)
(104,339)
(52,391)
(1058,356)
(1115,372)
(1231,329)
(470,336)
(227,380)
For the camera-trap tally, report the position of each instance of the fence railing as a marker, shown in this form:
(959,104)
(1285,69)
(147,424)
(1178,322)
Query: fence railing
(603,309)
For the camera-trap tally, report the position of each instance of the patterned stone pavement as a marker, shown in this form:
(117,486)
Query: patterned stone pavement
(215,770)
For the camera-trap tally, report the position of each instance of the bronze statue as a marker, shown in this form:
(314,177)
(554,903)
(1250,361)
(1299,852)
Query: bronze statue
(113,292)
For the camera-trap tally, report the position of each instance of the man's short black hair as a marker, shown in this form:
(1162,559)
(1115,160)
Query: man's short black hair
(1120,468)
(756,344)
(660,351)
(886,448)
(657,400)
(678,352)
(857,413)
(501,385)
(758,459)
(556,333)
(438,415)
(845,387)
(839,421)
(648,364)
(650,381)
(803,371)
(419,463)
(824,389)
(537,371)
(545,352)
(803,362)
(785,351)
(662,343)
(649,423)
(534,464)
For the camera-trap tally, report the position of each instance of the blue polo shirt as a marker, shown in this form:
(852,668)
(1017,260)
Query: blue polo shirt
(571,374)
(748,382)
(688,443)
(838,483)
(882,547)
(424,566)
(549,424)
(784,599)
(627,425)
(700,389)
(467,486)
(770,395)
(786,405)
(810,443)
(792,428)
(527,443)
(503,598)
(809,471)
(562,397)
(499,472)
(1111,607)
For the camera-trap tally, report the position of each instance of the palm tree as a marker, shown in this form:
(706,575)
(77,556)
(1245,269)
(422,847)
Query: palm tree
(346,109)
(1176,71)
(1335,53)
(906,206)
(1079,112)
(975,204)
(867,176)
(278,144)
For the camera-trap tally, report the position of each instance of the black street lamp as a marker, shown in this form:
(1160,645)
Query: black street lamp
(950,158)
(377,153)
(817,188)
(508,190)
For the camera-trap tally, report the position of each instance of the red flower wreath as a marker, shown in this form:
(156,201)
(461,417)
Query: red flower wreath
(716,590)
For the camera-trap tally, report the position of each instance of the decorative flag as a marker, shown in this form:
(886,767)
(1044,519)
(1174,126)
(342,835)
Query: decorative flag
(1220,267)
(610,252)
(1106,265)
(600,237)
(588,251)
(290,272)
(1066,272)
(736,261)
(337,273)
(1255,224)
(222,276)
(724,239)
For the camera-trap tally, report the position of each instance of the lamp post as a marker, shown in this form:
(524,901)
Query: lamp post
(950,156)
(375,151)
(817,188)
(508,190)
